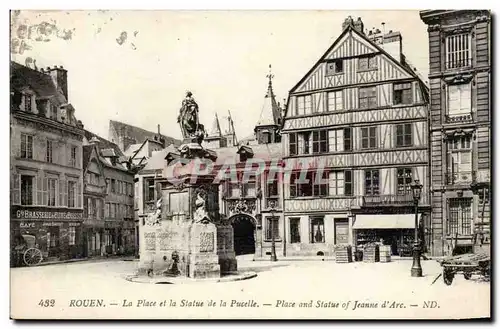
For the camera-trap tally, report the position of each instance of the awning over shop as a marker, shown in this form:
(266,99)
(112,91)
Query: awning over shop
(388,221)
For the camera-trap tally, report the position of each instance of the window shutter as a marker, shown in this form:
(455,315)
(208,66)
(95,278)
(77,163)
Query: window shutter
(15,188)
(45,192)
(65,193)
(144,191)
(79,195)
(39,190)
(61,193)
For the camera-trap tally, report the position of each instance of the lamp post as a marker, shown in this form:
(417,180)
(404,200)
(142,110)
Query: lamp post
(416,269)
(272,208)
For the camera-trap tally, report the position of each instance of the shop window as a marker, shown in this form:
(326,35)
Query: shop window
(27,190)
(372,182)
(26,146)
(368,137)
(317,230)
(404,177)
(404,135)
(459,216)
(402,93)
(294,230)
(272,228)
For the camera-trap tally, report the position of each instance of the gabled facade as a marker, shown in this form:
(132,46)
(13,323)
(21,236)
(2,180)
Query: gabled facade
(45,162)
(361,114)
(460,128)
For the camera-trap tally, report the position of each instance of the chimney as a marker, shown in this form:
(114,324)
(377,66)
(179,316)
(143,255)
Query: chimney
(359,26)
(393,45)
(60,77)
(348,21)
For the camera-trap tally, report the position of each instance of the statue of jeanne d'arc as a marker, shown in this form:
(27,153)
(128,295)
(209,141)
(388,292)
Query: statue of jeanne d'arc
(189,119)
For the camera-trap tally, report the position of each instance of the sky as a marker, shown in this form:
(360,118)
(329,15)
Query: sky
(136,66)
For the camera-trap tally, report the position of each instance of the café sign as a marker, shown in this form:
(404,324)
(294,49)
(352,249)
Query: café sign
(44,213)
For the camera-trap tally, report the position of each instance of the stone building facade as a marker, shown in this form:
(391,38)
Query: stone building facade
(460,128)
(45,163)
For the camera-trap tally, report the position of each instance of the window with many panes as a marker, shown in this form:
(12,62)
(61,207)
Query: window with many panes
(272,228)
(304,105)
(49,151)
(335,67)
(459,159)
(28,103)
(51,187)
(368,137)
(367,97)
(372,182)
(340,140)
(459,216)
(292,144)
(27,190)
(312,184)
(149,189)
(26,146)
(404,135)
(272,187)
(340,183)
(403,93)
(73,156)
(320,141)
(304,142)
(367,63)
(404,179)
(335,101)
(294,230)
(249,187)
(317,229)
(458,51)
(459,99)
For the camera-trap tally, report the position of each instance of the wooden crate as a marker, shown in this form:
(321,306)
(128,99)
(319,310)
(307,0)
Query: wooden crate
(371,253)
(343,254)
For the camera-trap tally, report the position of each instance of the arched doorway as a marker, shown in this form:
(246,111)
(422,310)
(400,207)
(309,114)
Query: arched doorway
(244,234)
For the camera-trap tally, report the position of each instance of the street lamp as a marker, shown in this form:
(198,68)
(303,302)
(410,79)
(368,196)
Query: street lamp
(272,208)
(416,269)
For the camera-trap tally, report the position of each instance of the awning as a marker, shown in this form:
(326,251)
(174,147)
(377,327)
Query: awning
(388,221)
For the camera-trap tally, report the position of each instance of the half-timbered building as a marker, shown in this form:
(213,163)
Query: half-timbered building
(360,113)
(460,133)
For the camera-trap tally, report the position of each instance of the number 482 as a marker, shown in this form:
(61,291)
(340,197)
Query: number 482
(47,302)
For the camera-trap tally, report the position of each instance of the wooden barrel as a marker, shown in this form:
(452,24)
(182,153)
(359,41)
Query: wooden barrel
(385,254)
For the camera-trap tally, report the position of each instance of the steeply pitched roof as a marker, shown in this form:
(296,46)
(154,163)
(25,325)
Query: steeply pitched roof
(157,159)
(103,143)
(22,76)
(270,112)
(87,151)
(139,134)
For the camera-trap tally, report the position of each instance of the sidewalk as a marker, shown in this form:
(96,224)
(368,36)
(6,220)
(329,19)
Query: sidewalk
(88,259)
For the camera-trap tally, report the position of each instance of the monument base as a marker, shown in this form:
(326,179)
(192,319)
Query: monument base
(203,259)
(225,249)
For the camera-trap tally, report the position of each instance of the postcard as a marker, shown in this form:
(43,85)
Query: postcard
(307,164)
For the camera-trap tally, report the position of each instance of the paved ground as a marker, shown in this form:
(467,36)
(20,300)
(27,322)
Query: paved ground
(277,292)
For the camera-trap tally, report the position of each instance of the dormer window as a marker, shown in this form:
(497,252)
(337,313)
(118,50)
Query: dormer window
(53,112)
(28,106)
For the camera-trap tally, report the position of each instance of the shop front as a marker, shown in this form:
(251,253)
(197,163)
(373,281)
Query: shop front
(395,230)
(93,231)
(57,232)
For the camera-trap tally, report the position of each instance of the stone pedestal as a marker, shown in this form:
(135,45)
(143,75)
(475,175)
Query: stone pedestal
(203,259)
(225,249)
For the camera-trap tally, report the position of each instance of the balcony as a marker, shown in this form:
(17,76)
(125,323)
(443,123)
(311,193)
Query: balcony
(460,178)
(388,200)
(459,118)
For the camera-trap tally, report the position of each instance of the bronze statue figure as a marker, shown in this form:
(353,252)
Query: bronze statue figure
(189,120)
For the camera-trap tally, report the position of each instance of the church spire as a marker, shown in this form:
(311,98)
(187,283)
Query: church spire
(270,114)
